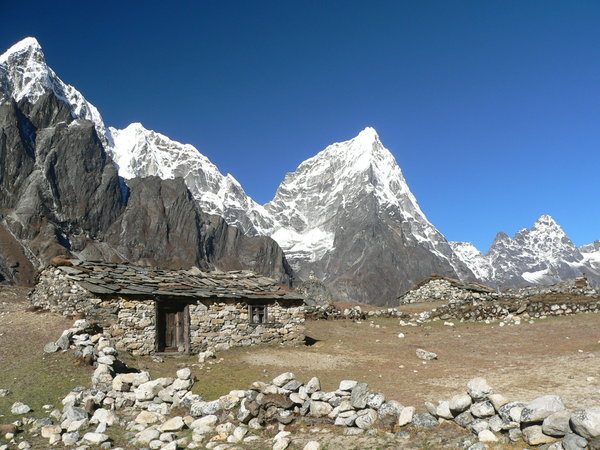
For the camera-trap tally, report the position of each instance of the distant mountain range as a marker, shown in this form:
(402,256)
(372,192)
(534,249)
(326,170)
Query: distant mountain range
(346,214)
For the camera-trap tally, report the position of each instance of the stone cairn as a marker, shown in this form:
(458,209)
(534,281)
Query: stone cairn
(159,413)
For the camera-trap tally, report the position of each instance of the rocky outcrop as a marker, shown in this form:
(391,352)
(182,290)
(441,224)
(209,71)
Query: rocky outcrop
(60,194)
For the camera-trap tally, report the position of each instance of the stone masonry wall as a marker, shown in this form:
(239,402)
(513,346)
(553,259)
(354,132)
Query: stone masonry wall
(436,290)
(215,325)
(223,324)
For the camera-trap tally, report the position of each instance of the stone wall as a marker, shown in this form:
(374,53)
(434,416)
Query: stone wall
(131,323)
(224,324)
(513,309)
(444,290)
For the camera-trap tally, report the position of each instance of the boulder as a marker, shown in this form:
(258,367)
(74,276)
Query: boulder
(482,409)
(572,441)
(313,385)
(184,374)
(390,408)
(320,409)
(19,408)
(424,354)
(443,410)
(586,422)
(460,403)
(487,436)
(365,419)
(479,389)
(557,424)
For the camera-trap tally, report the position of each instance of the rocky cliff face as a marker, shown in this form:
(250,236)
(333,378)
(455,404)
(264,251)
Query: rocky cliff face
(60,193)
(348,215)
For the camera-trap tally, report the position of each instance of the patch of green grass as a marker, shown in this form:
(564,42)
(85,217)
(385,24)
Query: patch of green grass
(39,380)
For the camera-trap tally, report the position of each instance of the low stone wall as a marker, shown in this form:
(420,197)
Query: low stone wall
(443,290)
(502,310)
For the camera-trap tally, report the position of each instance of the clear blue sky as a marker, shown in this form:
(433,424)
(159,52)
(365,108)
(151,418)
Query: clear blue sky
(492,108)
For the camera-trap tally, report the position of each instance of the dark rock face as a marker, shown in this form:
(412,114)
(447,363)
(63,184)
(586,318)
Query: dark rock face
(60,194)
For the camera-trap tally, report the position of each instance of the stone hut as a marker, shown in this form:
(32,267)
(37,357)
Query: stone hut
(148,310)
(441,288)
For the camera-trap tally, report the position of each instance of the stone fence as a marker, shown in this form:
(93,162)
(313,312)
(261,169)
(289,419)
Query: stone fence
(157,413)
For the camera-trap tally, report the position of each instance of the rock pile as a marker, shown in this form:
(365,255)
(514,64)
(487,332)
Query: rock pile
(164,413)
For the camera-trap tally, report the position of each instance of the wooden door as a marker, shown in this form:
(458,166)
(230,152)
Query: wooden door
(173,330)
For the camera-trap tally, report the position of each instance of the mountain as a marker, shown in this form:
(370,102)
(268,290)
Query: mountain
(348,215)
(139,152)
(542,254)
(61,194)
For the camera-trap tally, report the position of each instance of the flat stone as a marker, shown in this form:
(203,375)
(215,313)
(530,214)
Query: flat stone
(147,418)
(347,385)
(174,424)
(282,379)
(50,347)
(424,354)
(359,395)
(424,420)
(534,435)
(95,438)
(498,400)
(540,408)
(146,436)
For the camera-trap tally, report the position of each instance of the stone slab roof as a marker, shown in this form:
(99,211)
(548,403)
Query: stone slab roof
(128,280)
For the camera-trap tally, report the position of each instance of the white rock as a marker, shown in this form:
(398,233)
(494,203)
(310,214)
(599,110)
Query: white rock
(184,374)
(586,422)
(460,403)
(478,388)
(406,415)
(487,436)
(347,385)
(282,379)
(174,424)
(540,408)
(95,438)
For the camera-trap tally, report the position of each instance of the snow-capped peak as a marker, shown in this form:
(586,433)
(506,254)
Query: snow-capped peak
(540,254)
(29,45)
(24,74)
(139,152)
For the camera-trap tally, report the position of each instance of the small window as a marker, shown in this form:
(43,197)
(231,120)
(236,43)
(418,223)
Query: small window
(258,314)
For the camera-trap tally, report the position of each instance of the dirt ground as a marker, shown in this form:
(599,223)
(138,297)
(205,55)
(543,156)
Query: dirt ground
(556,355)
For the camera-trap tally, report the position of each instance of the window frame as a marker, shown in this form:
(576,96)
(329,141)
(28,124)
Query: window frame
(265,314)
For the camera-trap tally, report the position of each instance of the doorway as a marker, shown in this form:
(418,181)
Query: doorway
(172,329)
